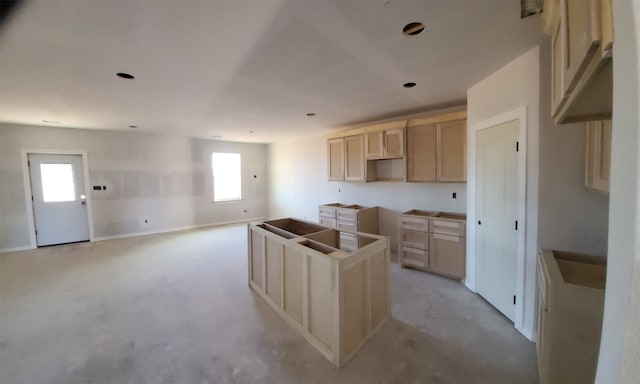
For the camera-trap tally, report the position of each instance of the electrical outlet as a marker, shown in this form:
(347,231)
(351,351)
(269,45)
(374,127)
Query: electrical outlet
(145,221)
(454,195)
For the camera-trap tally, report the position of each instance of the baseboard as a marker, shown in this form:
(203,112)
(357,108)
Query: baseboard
(175,229)
(17,249)
(526,333)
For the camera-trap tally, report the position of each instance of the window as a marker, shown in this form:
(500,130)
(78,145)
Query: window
(57,183)
(227,183)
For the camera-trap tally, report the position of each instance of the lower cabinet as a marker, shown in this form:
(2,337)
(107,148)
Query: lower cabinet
(433,242)
(447,255)
(570,308)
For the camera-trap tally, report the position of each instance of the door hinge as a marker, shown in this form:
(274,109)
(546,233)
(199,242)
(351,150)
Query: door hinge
(516,225)
(32,198)
(36,232)
(517,146)
(28,163)
(514,299)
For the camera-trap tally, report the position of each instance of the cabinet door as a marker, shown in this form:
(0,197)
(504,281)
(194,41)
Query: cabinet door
(335,149)
(451,151)
(583,22)
(598,155)
(558,57)
(375,145)
(394,143)
(447,255)
(421,153)
(354,158)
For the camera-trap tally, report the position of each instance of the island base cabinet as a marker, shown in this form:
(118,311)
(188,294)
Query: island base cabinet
(335,299)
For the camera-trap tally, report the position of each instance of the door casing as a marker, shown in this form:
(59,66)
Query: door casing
(522,272)
(27,188)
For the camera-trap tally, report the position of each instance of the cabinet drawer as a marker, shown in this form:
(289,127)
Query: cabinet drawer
(414,239)
(448,227)
(328,212)
(348,242)
(328,222)
(414,223)
(347,215)
(413,257)
(346,225)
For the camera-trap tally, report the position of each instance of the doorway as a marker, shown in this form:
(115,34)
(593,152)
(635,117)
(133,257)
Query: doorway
(58,197)
(496,215)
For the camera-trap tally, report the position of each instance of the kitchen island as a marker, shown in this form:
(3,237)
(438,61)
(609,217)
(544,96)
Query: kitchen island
(335,297)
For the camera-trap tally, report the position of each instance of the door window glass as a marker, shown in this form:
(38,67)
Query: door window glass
(57,183)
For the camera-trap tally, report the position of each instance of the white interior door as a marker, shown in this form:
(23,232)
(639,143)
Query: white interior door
(59,201)
(496,215)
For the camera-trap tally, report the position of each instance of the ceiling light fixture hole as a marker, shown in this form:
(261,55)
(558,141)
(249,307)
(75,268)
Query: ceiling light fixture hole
(133,126)
(125,75)
(413,29)
(409,85)
(250,131)
(311,114)
(51,122)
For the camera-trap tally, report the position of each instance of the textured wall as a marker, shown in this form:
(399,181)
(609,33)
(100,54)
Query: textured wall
(165,180)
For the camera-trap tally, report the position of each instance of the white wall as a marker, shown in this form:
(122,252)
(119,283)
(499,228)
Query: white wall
(514,86)
(298,184)
(620,346)
(570,217)
(165,180)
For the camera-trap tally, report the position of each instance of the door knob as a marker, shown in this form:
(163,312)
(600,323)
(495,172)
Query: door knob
(83,202)
(479,222)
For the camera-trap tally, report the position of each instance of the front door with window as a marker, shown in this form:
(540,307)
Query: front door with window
(59,201)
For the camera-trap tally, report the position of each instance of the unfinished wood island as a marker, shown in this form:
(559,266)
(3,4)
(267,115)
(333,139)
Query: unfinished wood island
(335,298)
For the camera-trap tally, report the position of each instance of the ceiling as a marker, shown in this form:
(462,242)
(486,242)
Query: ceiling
(248,70)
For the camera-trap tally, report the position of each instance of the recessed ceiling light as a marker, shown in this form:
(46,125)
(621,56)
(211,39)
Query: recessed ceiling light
(51,122)
(413,29)
(409,85)
(125,75)
(133,126)
(311,114)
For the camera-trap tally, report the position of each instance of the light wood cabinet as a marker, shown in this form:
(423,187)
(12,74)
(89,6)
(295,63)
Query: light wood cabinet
(386,144)
(335,299)
(346,158)
(433,242)
(335,149)
(352,218)
(451,151)
(570,304)
(598,156)
(436,152)
(582,38)
(354,158)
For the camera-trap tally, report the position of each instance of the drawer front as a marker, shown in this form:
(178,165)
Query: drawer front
(347,215)
(414,223)
(447,255)
(328,212)
(414,239)
(348,242)
(346,225)
(448,227)
(328,222)
(418,258)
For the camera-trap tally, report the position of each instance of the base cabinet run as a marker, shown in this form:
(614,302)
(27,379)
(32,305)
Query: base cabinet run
(336,299)
(570,305)
(433,242)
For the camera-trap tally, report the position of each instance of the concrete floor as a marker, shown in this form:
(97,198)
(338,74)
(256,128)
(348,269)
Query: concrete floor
(176,308)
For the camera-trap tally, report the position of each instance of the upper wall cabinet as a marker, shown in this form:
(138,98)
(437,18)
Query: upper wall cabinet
(346,158)
(598,156)
(581,48)
(436,149)
(385,141)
